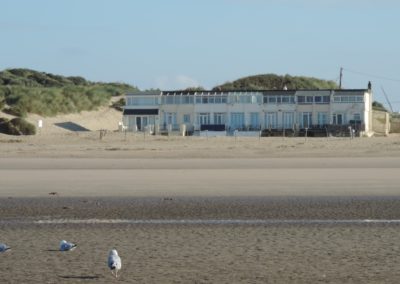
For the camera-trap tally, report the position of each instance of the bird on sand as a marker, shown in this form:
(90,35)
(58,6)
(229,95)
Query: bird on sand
(4,247)
(114,262)
(67,246)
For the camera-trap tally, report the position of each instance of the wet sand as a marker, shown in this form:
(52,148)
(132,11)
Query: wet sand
(276,252)
(177,215)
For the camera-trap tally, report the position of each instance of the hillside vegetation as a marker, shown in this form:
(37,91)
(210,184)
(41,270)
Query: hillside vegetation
(273,81)
(25,91)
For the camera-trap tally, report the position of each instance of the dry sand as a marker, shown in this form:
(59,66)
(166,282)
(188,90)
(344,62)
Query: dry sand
(137,177)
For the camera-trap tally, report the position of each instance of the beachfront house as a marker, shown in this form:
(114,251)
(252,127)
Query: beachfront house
(269,112)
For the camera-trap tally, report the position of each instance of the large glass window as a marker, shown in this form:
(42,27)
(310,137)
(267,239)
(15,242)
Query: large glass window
(301,99)
(322,118)
(203,118)
(348,99)
(288,120)
(305,119)
(357,117)
(271,120)
(186,118)
(141,101)
(254,120)
(187,99)
(170,118)
(169,100)
(219,118)
(237,120)
(244,99)
(338,118)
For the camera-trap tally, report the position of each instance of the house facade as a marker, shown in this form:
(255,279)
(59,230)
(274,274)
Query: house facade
(267,110)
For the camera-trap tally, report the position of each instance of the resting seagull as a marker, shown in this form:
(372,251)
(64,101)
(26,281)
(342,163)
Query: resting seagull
(66,246)
(114,262)
(4,247)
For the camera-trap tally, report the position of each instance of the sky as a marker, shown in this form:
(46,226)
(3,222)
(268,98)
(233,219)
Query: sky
(176,44)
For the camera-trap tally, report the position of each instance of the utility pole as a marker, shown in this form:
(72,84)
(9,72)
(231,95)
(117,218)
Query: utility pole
(340,77)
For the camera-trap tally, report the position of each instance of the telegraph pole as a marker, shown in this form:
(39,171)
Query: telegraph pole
(340,77)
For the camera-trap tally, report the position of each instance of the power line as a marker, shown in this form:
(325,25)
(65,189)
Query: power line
(372,75)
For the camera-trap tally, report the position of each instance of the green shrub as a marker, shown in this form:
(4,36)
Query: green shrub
(29,91)
(23,126)
(273,81)
(7,127)
(119,105)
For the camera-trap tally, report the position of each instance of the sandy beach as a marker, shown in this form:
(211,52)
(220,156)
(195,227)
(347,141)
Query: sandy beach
(197,210)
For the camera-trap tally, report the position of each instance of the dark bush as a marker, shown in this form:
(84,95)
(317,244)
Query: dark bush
(24,127)
(16,126)
(7,127)
(119,105)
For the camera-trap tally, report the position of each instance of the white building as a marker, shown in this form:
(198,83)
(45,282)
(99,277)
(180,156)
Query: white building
(269,111)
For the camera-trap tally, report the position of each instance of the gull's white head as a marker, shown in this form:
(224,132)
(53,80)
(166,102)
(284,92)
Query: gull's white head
(113,252)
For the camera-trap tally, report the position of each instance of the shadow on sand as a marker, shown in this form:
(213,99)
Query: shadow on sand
(72,126)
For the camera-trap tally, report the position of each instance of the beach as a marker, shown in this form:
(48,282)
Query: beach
(198,210)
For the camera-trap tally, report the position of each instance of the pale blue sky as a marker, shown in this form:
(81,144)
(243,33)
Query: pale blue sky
(179,43)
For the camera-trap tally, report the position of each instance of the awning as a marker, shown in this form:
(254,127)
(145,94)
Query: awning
(153,111)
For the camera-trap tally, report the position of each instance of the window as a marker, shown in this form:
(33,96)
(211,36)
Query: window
(326,99)
(318,99)
(309,99)
(305,119)
(348,99)
(244,99)
(271,120)
(288,120)
(285,99)
(170,118)
(219,118)
(272,100)
(322,118)
(357,116)
(352,99)
(141,101)
(338,118)
(237,120)
(203,118)
(254,120)
(187,100)
(186,118)
(198,100)
(301,99)
(169,100)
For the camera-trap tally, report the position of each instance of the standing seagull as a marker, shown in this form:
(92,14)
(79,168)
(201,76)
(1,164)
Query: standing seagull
(114,262)
(4,247)
(66,246)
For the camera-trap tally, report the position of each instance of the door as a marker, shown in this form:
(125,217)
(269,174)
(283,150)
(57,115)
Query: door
(139,123)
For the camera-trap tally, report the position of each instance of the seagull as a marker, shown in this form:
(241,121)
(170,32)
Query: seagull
(4,247)
(66,246)
(114,262)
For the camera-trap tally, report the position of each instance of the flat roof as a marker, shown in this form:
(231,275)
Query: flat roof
(267,92)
